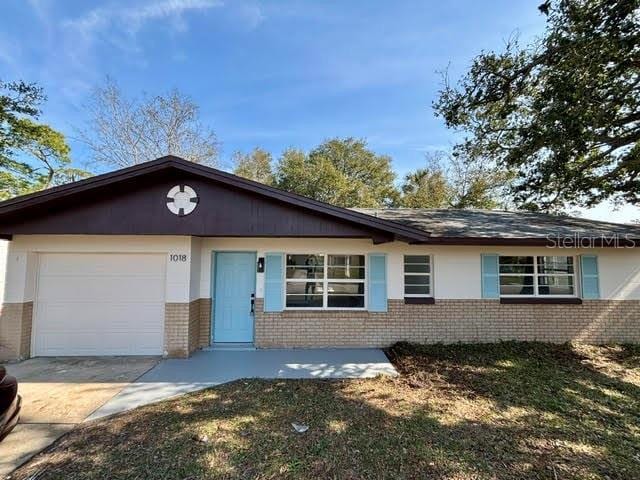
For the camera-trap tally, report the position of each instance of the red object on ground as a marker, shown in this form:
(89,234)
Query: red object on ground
(10,403)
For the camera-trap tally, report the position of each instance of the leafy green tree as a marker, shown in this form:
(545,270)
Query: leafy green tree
(33,156)
(478,183)
(450,181)
(342,172)
(256,166)
(295,173)
(426,187)
(562,113)
(18,102)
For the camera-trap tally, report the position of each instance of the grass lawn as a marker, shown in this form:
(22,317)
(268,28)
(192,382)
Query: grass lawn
(502,411)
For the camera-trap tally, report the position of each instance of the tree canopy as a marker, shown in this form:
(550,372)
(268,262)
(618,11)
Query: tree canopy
(450,181)
(256,166)
(345,172)
(426,187)
(340,171)
(33,155)
(123,131)
(562,113)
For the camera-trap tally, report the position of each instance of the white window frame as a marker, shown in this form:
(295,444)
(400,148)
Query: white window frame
(430,274)
(536,275)
(325,282)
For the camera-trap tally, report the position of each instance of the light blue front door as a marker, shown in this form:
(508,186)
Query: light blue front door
(234,285)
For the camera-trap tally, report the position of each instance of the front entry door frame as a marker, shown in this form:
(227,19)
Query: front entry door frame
(214,271)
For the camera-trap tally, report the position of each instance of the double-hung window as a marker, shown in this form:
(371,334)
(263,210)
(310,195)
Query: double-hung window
(534,276)
(325,281)
(417,276)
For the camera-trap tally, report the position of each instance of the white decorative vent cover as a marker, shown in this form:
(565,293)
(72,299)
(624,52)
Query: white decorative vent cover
(182,200)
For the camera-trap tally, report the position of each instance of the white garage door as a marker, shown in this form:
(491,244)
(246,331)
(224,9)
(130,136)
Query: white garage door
(99,304)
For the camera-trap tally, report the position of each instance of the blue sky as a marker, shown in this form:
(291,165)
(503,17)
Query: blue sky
(273,74)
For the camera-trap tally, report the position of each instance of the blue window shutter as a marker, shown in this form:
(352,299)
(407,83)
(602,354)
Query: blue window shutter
(490,277)
(273,282)
(590,281)
(377,287)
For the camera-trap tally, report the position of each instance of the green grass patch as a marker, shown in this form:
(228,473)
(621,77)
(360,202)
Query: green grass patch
(464,412)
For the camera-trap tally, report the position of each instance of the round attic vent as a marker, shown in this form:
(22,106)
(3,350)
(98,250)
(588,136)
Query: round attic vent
(182,200)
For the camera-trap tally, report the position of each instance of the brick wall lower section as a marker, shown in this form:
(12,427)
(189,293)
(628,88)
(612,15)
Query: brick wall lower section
(450,321)
(176,330)
(194,326)
(205,322)
(186,327)
(15,330)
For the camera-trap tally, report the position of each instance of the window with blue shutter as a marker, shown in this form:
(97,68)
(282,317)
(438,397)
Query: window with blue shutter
(490,277)
(590,280)
(273,282)
(377,286)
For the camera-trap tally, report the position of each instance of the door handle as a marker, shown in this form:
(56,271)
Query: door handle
(253,302)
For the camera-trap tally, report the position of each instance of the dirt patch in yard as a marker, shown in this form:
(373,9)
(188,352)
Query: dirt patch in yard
(67,390)
(502,411)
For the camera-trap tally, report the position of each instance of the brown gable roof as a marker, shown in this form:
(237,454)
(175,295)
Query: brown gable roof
(25,214)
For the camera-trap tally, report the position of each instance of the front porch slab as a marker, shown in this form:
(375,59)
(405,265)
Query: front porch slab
(205,369)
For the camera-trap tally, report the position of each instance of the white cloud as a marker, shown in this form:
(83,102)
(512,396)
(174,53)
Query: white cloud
(132,19)
(73,42)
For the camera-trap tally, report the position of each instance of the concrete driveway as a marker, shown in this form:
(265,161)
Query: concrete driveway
(57,394)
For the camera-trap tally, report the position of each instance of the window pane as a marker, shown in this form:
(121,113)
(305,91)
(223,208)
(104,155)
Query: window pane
(416,280)
(556,285)
(304,288)
(516,290)
(304,301)
(516,260)
(346,301)
(417,290)
(557,264)
(305,272)
(555,290)
(346,260)
(516,280)
(305,266)
(345,272)
(417,268)
(416,259)
(516,268)
(345,288)
(305,260)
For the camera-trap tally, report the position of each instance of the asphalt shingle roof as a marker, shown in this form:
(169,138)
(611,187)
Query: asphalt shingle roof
(453,223)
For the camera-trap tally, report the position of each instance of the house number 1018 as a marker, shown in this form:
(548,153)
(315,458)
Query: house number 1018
(178,257)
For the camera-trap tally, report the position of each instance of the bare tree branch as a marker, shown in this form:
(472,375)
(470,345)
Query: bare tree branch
(123,132)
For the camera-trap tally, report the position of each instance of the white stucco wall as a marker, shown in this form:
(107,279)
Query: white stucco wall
(4,250)
(195,261)
(456,269)
(619,273)
(22,256)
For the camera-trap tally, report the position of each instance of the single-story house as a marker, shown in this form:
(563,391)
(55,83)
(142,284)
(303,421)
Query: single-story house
(169,256)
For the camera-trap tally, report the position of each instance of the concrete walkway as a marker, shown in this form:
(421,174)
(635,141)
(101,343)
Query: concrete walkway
(209,368)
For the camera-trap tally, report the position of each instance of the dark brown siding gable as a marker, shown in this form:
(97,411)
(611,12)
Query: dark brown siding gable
(137,206)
